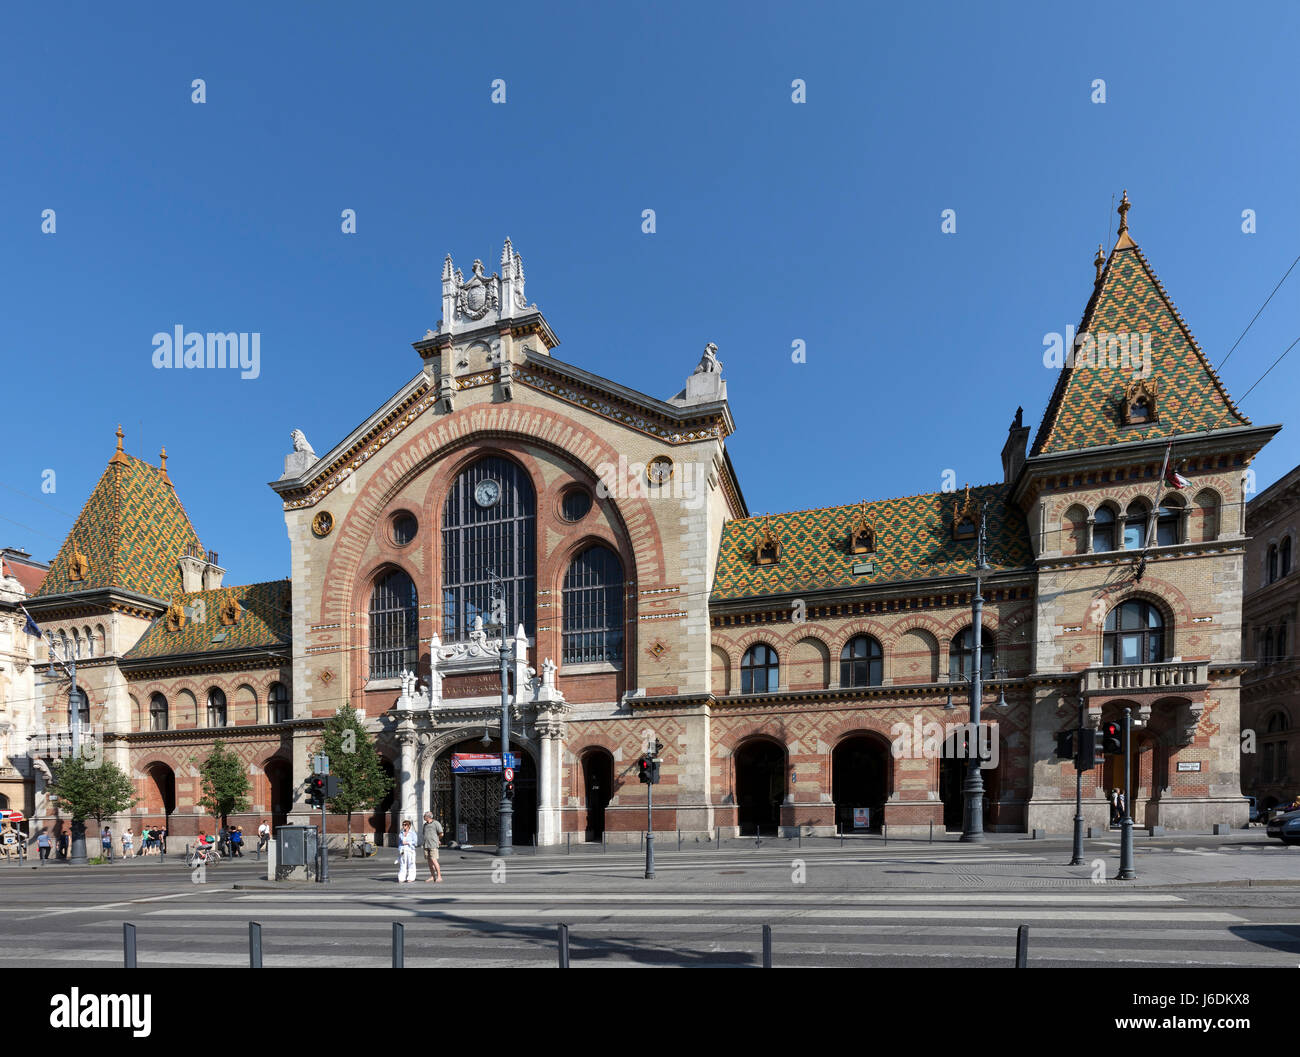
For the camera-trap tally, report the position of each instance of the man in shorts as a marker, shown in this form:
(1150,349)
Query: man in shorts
(431,838)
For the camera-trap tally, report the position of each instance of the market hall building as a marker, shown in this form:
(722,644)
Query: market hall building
(780,660)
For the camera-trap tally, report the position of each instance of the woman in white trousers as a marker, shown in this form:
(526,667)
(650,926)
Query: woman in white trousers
(406,842)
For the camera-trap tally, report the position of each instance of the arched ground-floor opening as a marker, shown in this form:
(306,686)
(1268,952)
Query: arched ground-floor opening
(468,803)
(860,771)
(952,777)
(279,787)
(598,786)
(159,799)
(760,785)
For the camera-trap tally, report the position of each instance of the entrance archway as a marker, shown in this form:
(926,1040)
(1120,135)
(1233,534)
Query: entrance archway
(159,792)
(860,779)
(468,805)
(760,786)
(279,783)
(598,787)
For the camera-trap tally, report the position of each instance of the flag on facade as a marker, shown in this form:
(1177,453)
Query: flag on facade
(31,628)
(1169,475)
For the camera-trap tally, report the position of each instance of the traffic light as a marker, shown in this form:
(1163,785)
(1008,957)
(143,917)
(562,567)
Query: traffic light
(1087,749)
(331,786)
(316,790)
(1065,745)
(654,772)
(1112,739)
(510,790)
(644,768)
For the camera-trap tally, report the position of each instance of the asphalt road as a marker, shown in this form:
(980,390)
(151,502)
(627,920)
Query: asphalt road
(905,904)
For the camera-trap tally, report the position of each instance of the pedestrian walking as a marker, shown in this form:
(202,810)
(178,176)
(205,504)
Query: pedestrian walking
(236,843)
(431,839)
(162,839)
(63,844)
(106,842)
(223,841)
(406,842)
(1121,805)
(128,842)
(43,843)
(263,837)
(1114,806)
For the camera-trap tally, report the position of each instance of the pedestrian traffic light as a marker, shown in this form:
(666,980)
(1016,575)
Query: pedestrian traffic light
(654,772)
(1065,745)
(1087,749)
(510,790)
(331,786)
(1112,739)
(643,768)
(316,790)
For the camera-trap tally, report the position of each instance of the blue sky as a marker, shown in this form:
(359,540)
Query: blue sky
(776,222)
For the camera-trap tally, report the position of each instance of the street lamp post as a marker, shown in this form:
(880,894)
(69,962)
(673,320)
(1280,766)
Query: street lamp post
(505,812)
(1076,857)
(1126,870)
(77,844)
(972,822)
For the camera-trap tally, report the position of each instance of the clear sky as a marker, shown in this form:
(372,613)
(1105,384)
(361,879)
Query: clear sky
(776,222)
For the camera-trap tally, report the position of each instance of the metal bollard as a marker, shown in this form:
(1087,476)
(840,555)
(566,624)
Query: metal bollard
(564,946)
(931,831)
(128,946)
(568,844)
(602,841)
(679,840)
(399,945)
(254,945)
(767,946)
(757,841)
(1022,947)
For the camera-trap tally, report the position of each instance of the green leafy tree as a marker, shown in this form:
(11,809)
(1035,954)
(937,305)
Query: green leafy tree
(355,762)
(98,789)
(224,783)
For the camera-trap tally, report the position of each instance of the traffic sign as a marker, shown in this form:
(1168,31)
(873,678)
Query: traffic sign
(510,774)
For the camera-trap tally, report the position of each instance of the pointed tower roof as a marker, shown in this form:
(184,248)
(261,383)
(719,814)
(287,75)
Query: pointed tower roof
(1087,406)
(130,534)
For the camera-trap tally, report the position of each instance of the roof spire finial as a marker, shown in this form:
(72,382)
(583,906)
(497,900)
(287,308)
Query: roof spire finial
(120,435)
(162,455)
(1124,206)
(1099,261)
(119,456)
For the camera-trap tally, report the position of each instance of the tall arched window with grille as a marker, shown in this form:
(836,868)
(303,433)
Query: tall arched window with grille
(277,703)
(394,636)
(1134,633)
(759,670)
(216,707)
(961,654)
(489,523)
(862,662)
(593,607)
(158,718)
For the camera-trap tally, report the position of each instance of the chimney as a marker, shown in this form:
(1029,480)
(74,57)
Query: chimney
(1013,451)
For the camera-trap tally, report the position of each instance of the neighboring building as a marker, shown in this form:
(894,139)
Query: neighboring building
(778,659)
(20,576)
(1270,694)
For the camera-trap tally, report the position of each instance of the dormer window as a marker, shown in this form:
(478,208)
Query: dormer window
(965,518)
(862,537)
(768,550)
(1139,405)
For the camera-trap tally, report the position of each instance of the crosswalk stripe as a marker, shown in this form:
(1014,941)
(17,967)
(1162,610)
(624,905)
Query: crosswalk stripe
(768,899)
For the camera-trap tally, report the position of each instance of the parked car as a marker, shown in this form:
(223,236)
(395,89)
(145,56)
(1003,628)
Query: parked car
(1286,827)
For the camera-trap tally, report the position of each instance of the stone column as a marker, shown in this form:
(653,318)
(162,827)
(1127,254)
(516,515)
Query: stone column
(406,777)
(550,734)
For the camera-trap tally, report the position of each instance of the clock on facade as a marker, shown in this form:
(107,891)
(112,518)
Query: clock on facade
(487,493)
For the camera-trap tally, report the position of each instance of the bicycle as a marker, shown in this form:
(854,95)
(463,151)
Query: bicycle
(207,855)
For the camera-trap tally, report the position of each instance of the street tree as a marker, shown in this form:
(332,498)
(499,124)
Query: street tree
(97,789)
(355,762)
(224,783)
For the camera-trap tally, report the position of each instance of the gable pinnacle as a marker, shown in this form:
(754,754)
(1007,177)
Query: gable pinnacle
(119,456)
(1099,262)
(1124,206)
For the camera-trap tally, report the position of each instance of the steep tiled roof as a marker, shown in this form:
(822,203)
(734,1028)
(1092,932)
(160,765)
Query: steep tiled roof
(132,531)
(1085,408)
(913,542)
(263,621)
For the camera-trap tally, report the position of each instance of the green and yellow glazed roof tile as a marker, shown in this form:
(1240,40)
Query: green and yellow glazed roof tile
(1087,402)
(131,532)
(263,620)
(913,541)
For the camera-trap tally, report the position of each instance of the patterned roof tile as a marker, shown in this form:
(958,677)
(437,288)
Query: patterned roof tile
(913,542)
(264,620)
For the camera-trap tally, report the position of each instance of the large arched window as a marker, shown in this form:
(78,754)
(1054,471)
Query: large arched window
(1134,634)
(1272,562)
(1168,522)
(1284,557)
(1135,526)
(277,703)
(216,707)
(759,670)
(158,719)
(593,607)
(488,524)
(961,656)
(861,662)
(1103,529)
(79,705)
(394,634)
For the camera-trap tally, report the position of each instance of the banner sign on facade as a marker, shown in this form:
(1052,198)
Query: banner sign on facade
(480,762)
